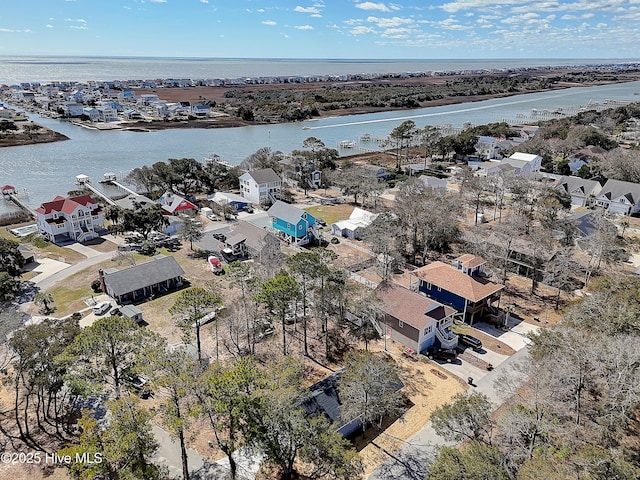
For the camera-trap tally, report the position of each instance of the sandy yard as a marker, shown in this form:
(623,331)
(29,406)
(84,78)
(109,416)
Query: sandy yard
(427,386)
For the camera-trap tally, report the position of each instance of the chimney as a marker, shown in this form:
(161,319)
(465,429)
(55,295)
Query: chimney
(102,284)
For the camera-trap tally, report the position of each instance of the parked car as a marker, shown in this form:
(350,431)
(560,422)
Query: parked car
(220,236)
(101,308)
(469,341)
(137,384)
(248,208)
(212,217)
(115,311)
(442,354)
(321,222)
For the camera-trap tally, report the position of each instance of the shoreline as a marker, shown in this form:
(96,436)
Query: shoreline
(443,90)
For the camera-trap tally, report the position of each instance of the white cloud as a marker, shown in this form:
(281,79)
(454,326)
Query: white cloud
(361,30)
(390,22)
(79,27)
(204,1)
(303,27)
(8,30)
(306,9)
(48,25)
(381,7)
(271,23)
(158,1)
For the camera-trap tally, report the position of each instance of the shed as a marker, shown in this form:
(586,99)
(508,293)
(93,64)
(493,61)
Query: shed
(132,312)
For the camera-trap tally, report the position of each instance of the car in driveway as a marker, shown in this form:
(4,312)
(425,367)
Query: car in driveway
(101,308)
(220,236)
(469,341)
(449,356)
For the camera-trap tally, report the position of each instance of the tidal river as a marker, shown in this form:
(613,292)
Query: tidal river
(42,171)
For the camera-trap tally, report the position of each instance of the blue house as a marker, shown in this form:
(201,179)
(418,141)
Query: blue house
(294,224)
(461,285)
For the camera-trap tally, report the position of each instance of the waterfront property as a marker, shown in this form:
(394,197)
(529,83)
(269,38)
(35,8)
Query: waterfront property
(461,285)
(261,186)
(414,320)
(75,219)
(139,282)
(173,204)
(296,225)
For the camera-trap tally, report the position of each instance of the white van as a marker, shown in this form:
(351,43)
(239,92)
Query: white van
(101,308)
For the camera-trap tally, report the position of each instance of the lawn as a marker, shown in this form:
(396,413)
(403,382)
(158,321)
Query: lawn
(331,213)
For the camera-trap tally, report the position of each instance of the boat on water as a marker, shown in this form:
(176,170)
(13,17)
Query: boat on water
(347,144)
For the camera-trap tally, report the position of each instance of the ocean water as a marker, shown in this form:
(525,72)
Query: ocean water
(15,70)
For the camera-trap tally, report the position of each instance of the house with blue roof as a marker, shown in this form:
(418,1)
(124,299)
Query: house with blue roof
(297,226)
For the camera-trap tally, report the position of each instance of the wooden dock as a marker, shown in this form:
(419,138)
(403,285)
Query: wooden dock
(85,182)
(14,198)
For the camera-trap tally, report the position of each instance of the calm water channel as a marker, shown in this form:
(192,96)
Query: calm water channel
(47,170)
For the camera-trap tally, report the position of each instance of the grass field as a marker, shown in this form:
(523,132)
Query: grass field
(331,213)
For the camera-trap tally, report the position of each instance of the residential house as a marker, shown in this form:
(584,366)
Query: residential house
(460,284)
(200,110)
(522,164)
(139,282)
(234,201)
(297,226)
(173,204)
(433,182)
(375,171)
(70,219)
(354,225)
(488,148)
(414,320)
(583,192)
(299,170)
(92,113)
(585,156)
(72,109)
(250,240)
(134,201)
(261,186)
(619,197)
(324,399)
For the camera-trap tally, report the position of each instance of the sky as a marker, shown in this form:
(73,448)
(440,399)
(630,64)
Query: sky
(323,29)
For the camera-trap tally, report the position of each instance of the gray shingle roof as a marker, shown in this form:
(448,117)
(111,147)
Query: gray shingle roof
(266,175)
(286,212)
(140,276)
(617,188)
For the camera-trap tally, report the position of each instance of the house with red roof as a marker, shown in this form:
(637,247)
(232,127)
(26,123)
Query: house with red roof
(414,320)
(70,219)
(173,204)
(461,284)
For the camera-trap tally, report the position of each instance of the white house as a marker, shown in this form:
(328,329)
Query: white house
(260,186)
(521,163)
(353,226)
(583,192)
(620,197)
(70,219)
(72,109)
